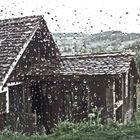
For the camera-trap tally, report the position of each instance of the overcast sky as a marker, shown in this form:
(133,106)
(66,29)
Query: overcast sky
(89,16)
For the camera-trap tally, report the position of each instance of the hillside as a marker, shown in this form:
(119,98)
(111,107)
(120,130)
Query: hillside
(77,43)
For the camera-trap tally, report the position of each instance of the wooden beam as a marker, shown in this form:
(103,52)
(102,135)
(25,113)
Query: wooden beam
(13,83)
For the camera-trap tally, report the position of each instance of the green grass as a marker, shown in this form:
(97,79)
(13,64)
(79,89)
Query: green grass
(83,131)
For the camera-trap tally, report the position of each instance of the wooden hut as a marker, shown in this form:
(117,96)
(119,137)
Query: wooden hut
(23,42)
(38,87)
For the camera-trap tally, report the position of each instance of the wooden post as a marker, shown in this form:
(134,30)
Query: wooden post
(7,100)
(125,98)
(110,100)
(114,111)
(131,91)
(28,98)
(123,92)
(5,91)
(88,95)
(126,85)
(24,101)
(134,98)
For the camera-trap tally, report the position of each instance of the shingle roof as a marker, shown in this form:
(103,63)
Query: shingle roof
(14,33)
(96,64)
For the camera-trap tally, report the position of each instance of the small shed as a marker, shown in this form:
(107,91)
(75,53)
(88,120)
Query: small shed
(39,87)
(80,83)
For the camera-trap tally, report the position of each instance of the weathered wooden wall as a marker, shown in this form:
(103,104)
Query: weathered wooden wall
(69,98)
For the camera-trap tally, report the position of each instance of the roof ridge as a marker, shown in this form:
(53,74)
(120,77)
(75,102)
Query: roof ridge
(22,17)
(126,53)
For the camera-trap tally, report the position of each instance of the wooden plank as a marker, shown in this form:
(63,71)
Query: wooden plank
(123,95)
(126,85)
(131,91)
(13,83)
(114,111)
(88,88)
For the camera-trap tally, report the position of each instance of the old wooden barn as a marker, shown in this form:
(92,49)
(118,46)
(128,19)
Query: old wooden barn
(39,87)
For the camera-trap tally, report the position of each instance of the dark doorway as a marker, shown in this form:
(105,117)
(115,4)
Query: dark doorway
(37,97)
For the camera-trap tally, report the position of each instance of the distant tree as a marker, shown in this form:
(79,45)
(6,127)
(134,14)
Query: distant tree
(115,48)
(136,48)
(75,47)
(84,49)
(100,48)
